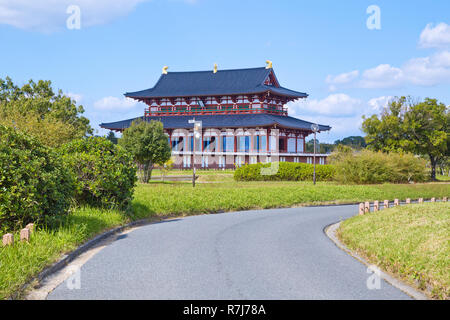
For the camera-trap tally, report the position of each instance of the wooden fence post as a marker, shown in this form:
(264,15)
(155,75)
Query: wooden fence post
(386,204)
(25,234)
(30,227)
(376,206)
(366,207)
(361,209)
(420,200)
(8,239)
(433,199)
(408,200)
(396,202)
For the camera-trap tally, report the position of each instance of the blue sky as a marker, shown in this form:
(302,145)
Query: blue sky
(323,48)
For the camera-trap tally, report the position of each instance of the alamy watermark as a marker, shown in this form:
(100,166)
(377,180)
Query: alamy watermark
(73,282)
(374,20)
(373,282)
(73,22)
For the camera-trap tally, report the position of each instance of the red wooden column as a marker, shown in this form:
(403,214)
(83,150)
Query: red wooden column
(268,140)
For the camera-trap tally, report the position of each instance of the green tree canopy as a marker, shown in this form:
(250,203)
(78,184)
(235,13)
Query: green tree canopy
(356,142)
(148,144)
(406,125)
(35,107)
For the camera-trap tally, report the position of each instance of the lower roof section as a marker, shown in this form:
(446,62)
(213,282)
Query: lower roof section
(222,121)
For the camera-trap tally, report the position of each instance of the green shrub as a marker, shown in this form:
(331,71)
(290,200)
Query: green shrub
(105,173)
(368,167)
(33,182)
(286,171)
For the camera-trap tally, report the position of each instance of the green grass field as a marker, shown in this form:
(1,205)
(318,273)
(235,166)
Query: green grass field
(181,199)
(411,242)
(19,264)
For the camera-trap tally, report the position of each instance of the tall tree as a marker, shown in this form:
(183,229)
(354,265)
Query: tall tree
(35,107)
(148,144)
(418,127)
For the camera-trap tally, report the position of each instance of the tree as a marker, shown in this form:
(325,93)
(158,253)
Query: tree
(310,146)
(356,142)
(36,109)
(148,144)
(112,137)
(406,125)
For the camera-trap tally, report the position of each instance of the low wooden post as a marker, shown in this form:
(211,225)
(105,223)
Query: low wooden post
(8,239)
(376,206)
(420,200)
(433,199)
(25,234)
(396,202)
(408,200)
(367,207)
(361,209)
(30,227)
(386,204)
(444,199)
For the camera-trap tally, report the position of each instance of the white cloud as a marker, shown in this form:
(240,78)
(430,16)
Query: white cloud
(382,76)
(342,112)
(376,105)
(75,96)
(341,79)
(337,105)
(428,71)
(115,104)
(435,37)
(50,15)
(425,71)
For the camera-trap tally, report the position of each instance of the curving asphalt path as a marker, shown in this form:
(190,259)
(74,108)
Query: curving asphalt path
(261,254)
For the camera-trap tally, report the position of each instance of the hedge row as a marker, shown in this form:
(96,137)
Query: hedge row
(37,182)
(283,171)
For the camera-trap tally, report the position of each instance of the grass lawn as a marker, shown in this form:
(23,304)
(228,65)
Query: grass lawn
(22,262)
(411,242)
(181,199)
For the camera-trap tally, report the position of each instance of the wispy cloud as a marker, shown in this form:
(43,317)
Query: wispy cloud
(51,15)
(115,104)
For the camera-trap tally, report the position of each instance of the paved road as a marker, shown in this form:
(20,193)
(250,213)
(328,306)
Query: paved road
(264,254)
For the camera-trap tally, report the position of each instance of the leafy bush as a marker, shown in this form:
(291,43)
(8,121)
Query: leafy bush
(105,173)
(376,167)
(33,182)
(287,171)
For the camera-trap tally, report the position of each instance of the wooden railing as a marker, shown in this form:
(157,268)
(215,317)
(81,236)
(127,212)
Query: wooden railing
(214,111)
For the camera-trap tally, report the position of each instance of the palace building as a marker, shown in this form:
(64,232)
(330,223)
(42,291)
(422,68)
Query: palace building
(241,114)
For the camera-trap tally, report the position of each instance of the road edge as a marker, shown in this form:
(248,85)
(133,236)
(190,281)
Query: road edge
(330,231)
(66,259)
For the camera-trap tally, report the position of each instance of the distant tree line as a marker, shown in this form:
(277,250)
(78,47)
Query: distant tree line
(355,142)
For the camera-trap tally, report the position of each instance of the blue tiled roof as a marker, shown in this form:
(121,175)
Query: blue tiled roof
(222,121)
(204,83)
